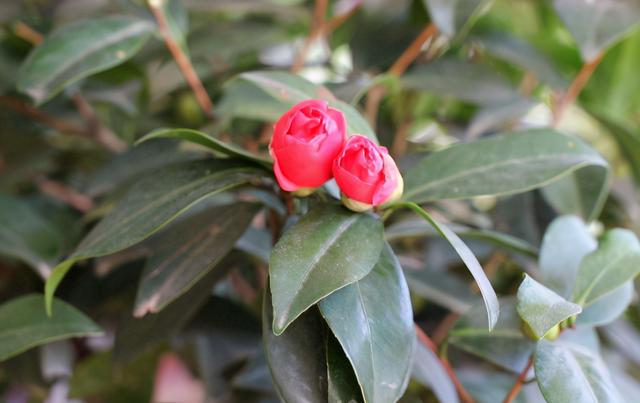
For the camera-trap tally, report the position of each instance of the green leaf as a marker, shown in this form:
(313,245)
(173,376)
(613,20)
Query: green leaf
(607,308)
(451,16)
(570,373)
(461,80)
(24,324)
(342,382)
(205,140)
(596,25)
(187,250)
(379,306)
(327,249)
(505,346)
(26,235)
(566,242)
(151,204)
(283,90)
(469,259)
(296,358)
(628,140)
(616,261)
(135,336)
(500,165)
(581,193)
(443,288)
(429,371)
(541,308)
(413,228)
(519,52)
(79,50)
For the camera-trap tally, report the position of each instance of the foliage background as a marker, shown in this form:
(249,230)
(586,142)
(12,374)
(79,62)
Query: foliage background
(424,74)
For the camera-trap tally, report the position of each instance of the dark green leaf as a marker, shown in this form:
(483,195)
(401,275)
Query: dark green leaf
(452,16)
(566,242)
(26,235)
(153,203)
(79,50)
(628,141)
(505,345)
(616,261)
(596,25)
(469,259)
(500,165)
(541,308)
(24,324)
(571,373)
(205,140)
(342,382)
(465,81)
(184,252)
(442,288)
(379,306)
(296,358)
(429,371)
(137,335)
(327,249)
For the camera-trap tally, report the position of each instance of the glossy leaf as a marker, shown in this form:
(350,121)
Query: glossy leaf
(134,336)
(464,81)
(283,90)
(453,15)
(187,250)
(26,235)
(596,25)
(541,308)
(429,371)
(151,204)
(442,288)
(296,358)
(469,259)
(500,165)
(79,50)
(566,242)
(567,372)
(616,261)
(342,383)
(326,250)
(24,324)
(379,305)
(505,345)
(205,140)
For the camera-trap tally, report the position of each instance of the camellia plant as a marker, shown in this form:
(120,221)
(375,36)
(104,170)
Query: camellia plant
(315,201)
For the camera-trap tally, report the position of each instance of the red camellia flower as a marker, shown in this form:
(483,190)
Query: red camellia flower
(305,141)
(366,174)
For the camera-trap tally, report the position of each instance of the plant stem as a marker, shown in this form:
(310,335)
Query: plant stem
(317,26)
(575,88)
(424,339)
(27,110)
(181,59)
(398,68)
(513,393)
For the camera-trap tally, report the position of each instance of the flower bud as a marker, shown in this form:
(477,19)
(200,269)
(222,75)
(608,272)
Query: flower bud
(366,174)
(306,140)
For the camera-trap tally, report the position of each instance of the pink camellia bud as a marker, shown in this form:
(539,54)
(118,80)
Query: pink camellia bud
(305,141)
(366,174)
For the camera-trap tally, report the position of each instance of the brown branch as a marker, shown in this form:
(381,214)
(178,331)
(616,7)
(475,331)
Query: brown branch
(181,59)
(64,193)
(27,110)
(513,393)
(27,33)
(338,20)
(465,397)
(398,68)
(576,87)
(317,27)
(95,128)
